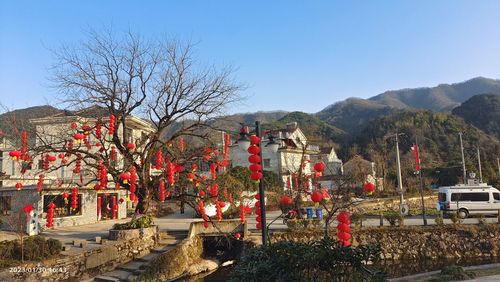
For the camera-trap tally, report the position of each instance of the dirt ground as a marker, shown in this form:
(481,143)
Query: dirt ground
(7,235)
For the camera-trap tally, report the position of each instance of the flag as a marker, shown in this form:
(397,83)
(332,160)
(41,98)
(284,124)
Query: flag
(417,157)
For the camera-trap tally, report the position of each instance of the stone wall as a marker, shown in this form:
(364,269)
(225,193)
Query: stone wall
(412,243)
(175,262)
(81,266)
(414,203)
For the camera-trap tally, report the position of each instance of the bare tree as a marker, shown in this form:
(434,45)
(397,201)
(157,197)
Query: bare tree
(159,81)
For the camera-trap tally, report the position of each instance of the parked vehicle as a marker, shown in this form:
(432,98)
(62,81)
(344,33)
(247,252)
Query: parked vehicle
(469,199)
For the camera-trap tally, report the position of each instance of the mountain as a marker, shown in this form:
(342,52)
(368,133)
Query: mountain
(483,111)
(233,122)
(316,130)
(352,114)
(18,119)
(442,98)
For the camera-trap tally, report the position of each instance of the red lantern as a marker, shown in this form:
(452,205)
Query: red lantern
(369,187)
(74,198)
(259,225)
(28,208)
(319,166)
(255,167)
(15,155)
(98,130)
(213,170)
(190,176)
(159,159)
(343,217)
(65,197)
(78,137)
(237,236)
(73,125)
(86,129)
(50,215)
(202,193)
(19,186)
(256,176)
(115,207)
(125,177)
(181,144)
(255,159)
(111,127)
(254,140)
(286,201)
(162,191)
(253,149)
(130,146)
(133,179)
(39,184)
(316,197)
(344,227)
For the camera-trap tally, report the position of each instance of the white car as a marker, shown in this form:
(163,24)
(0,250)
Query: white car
(469,199)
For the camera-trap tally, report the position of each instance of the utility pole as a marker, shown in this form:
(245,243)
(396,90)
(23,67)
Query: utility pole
(262,196)
(463,158)
(419,174)
(498,164)
(479,163)
(400,182)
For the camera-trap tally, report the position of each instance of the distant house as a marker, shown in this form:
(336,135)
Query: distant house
(293,152)
(93,205)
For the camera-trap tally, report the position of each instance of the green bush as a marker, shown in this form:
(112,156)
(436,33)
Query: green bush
(35,248)
(323,260)
(394,218)
(144,221)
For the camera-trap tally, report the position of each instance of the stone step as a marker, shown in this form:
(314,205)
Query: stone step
(132,277)
(162,249)
(117,274)
(149,257)
(169,242)
(132,266)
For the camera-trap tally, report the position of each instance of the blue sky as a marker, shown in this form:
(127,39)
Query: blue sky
(293,55)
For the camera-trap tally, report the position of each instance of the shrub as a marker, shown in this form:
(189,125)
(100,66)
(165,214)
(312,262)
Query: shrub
(439,220)
(357,219)
(481,218)
(394,218)
(323,260)
(455,218)
(144,221)
(297,224)
(35,248)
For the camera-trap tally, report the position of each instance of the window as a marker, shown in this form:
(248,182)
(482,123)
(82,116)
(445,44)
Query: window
(5,205)
(471,197)
(63,208)
(496,196)
(267,163)
(442,197)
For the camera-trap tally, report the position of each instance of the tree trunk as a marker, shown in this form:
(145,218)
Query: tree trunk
(143,204)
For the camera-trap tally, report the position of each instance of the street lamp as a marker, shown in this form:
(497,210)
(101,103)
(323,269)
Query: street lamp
(244,144)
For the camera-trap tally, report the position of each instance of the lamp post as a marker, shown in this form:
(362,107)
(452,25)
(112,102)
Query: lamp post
(244,144)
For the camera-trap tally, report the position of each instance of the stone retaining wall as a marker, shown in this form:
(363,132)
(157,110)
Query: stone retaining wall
(410,242)
(81,266)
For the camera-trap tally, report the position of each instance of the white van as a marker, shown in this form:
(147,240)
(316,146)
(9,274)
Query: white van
(469,199)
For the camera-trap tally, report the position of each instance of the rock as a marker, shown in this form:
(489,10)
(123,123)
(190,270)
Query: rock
(202,266)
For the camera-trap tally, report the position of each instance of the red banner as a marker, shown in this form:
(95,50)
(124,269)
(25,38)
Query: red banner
(417,158)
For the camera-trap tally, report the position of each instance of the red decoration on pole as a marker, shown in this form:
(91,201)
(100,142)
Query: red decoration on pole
(286,201)
(103,176)
(417,157)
